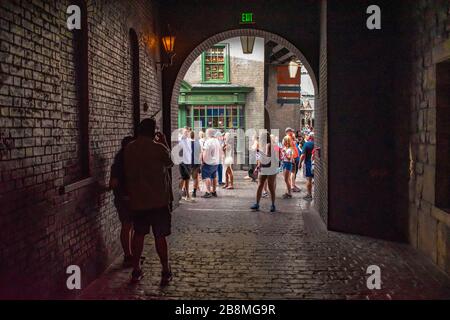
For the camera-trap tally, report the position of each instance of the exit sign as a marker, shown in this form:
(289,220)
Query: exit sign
(247,18)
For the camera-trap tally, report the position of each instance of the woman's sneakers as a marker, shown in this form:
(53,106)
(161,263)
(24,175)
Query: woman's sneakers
(287,196)
(308,197)
(255,207)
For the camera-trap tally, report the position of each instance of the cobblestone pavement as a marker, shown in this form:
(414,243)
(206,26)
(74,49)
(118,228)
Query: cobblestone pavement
(221,250)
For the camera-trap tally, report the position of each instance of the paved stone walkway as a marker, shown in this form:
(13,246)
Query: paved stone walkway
(221,250)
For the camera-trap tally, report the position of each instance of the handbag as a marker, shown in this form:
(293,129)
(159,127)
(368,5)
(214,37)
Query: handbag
(256,172)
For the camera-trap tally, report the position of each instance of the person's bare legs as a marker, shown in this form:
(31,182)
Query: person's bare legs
(287,180)
(196,181)
(163,253)
(186,188)
(272,186)
(293,177)
(137,247)
(262,182)
(208,185)
(309,186)
(227,177)
(126,238)
(231,176)
(266,190)
(214,184)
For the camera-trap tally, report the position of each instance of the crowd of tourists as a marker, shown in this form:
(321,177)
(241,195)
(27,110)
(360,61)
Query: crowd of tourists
(141,182)
(209,157)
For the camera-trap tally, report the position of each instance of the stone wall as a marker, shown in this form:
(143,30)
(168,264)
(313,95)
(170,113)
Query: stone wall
(429,227)
(44,231)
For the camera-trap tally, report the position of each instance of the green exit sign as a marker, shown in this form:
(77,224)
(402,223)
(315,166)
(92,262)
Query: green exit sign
(247,18)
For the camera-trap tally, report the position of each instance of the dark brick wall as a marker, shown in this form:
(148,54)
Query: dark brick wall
(361,103)
(321,124)
(44,232)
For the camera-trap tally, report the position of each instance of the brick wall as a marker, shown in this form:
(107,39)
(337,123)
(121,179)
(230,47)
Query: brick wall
(43,231)
(429,227)
(321,124)
(281,116)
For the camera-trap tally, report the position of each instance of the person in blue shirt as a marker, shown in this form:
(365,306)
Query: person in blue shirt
(307,157)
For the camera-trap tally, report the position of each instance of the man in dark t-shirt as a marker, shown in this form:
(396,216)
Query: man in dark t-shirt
(121,201)
(307,157)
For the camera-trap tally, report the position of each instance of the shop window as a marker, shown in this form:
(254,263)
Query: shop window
(215,64)
(222,117)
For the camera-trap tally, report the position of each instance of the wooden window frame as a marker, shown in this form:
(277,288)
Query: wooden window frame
(226,67)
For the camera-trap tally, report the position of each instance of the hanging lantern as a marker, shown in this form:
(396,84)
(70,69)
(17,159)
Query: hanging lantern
(247,43)
(293,68)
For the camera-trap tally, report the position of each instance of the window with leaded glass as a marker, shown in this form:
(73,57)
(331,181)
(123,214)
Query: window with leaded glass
(215,64)
(218,117)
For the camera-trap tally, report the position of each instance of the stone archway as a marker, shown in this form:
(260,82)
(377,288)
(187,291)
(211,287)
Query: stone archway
(230,34)
(208,43)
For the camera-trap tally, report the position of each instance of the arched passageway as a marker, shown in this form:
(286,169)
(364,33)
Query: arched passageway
(274,40)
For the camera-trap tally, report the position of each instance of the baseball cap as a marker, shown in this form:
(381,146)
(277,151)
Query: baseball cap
(289,129)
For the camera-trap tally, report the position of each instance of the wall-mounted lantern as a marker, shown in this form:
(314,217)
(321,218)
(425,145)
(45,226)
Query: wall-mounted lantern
(247,43)
(168,41)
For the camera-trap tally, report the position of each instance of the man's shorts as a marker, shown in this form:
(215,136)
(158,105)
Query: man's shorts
(185,171)
(159,219)
(287,166)
(308,170)
(123,210)
(209,171)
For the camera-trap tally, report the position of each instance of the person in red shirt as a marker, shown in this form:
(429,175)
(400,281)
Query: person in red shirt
(296,159)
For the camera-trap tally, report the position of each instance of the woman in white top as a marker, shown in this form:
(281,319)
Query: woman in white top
(228,149)
(201,138)
(268,163)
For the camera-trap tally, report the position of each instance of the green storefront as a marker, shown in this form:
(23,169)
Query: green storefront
(212,105)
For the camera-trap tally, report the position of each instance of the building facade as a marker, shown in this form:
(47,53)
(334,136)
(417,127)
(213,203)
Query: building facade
(224,88)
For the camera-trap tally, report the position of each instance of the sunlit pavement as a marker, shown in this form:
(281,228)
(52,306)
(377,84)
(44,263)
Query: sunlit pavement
(220,249)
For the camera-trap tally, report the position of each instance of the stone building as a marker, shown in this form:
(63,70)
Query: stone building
(254,84)
(231,97)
